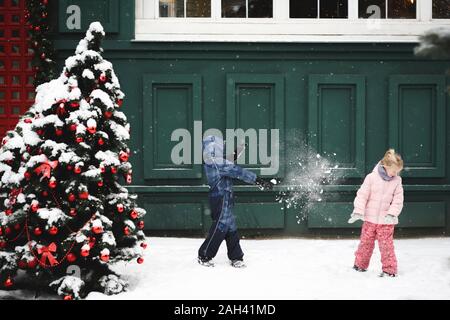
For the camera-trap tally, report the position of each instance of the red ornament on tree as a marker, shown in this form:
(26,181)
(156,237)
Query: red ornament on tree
(61,109)
(113,170)
(7,230)
(143,245)
(140,260)
(43,56)
(126,231)
(108,114)
(45,2)
(69,167)
(45,193)
(101,141)
(100,183)
(102,169)
(40,132)
(123,156)
(52,184)
(37,28)
(128,178)
(83,195)
(119,102)
(74,104)
(104,257)
(17,227)
(32,264)
(59,132)
(133,214)
(72,197)
(120,208)
(79,139)
(37,231)
(73,127)
(85,250)
(71,257)
(73,212)
(68,297)
(92,130)
(2,244)
(8,283)
(8,212)
(77,170)
(102,77)
(28,120)
(27,175)
(140,225)
(34,206)
(53,231)
(97,230)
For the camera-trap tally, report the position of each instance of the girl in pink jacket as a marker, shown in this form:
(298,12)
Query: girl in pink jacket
(378,203)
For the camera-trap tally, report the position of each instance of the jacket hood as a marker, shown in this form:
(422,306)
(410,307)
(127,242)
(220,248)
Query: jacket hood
(383,174)
(212,149)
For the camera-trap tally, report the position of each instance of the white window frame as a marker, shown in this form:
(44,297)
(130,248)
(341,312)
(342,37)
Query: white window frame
(280,28)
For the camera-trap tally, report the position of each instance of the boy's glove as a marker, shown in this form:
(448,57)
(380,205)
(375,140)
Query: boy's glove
(355,216)
(389,219)
(263,184)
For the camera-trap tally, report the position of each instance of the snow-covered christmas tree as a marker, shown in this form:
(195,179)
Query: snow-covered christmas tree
(62,206)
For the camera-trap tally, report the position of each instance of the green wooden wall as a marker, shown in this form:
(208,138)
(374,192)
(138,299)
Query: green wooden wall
(355,100)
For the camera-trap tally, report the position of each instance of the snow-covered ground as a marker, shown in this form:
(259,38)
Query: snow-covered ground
(285,269)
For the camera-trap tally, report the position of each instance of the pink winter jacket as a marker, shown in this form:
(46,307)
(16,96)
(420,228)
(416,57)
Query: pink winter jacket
(377,198)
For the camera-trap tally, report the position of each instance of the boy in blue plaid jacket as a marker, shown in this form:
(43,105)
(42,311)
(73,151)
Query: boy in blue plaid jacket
(220,173)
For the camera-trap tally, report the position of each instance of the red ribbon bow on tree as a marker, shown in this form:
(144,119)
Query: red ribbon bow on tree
(13,195)
(47,254)
(46,168)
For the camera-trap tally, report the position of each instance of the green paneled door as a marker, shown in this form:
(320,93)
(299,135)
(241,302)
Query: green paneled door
(256,101)
(417,123)
(337,121)
(171,102)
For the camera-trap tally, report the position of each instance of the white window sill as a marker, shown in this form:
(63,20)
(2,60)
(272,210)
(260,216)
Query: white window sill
(294,30)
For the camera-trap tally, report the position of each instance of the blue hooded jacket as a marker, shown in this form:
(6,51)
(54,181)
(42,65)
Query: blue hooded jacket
(219,171)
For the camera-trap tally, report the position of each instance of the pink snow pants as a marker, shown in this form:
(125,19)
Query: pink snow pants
(384,233)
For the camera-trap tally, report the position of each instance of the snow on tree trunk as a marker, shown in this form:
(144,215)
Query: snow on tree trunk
(62,207)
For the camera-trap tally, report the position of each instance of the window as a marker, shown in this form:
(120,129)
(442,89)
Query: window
(295,20)
(176,8)
(247,9)
(392,9)
(441,9)
(318,9)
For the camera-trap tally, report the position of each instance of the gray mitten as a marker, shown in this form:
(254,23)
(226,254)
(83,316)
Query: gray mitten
(389,219)
(355,216)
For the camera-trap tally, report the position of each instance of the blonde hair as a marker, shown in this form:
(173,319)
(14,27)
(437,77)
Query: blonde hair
(391,158)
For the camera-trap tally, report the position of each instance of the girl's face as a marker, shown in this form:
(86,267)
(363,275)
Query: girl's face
(392,171)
